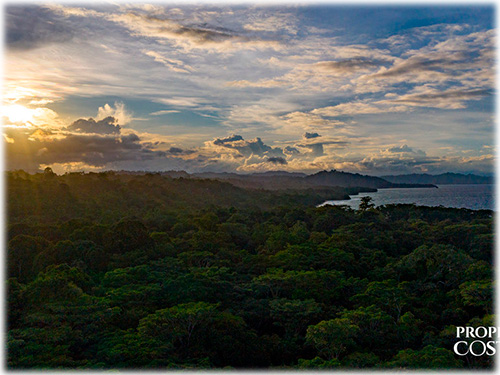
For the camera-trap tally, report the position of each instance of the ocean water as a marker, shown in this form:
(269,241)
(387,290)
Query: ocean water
(475,197)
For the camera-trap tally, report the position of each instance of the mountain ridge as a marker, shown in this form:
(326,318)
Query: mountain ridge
(447,178)
(279,180)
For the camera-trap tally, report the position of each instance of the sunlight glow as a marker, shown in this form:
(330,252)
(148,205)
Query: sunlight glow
(17,113)
(21,116)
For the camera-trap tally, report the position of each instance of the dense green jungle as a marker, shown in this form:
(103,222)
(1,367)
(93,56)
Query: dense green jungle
(123,271)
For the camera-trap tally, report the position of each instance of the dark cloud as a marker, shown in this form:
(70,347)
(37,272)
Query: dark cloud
(201,33)
(231,138)
(277,160)
(161,26)
(179,151)
(205,33)
(31,26)
(451,94)
(449,99)
(404,149)
(311,135)
(289,150)
(175,150)
(397,165)
(29,149)
(317,148)
(349,65)
(419,64)
(104,126)
(247,148)
(152,144)
(412,66)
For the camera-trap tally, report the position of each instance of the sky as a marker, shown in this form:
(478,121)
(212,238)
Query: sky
(371,89)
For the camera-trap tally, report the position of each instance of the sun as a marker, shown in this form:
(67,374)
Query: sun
(17,113)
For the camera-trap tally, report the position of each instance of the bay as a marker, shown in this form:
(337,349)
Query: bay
(475,197)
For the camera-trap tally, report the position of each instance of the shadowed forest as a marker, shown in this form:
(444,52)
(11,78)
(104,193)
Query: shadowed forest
(111,270)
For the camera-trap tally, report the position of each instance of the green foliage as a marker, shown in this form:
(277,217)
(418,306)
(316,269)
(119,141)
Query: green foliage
(429,357)
(318,363)
(60,323)
(333,337)
(361,360)
(128,271)
(366,203)
(477,294)
(21,252)
(294,315)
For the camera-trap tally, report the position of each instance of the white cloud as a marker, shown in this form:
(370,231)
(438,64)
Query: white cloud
(180,101)
(357,108)
(119,112)
(172,64)
(164,112)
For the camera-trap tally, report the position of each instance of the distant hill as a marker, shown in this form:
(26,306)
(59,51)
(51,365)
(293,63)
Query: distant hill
(338,178)
(440,179)
(175,174)
(269,181)
(345,179)
(281,180)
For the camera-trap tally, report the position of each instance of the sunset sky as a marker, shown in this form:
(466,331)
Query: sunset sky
(240,88)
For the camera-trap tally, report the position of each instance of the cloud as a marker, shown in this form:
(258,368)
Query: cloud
(164,112)
(236,153)
(277,160)
(319,76)
(175,150)
(172,64)
(40,101)
(445,58)
(301,121)
(404,149)
(357,108)
(263,83)
(107,125)
(350,65)
(180,151)
(276,22)
(381,165)
(160,26)
(248,148)
(119,112)
(28,152)
(164,25)
(311,135)
(193,27)
(96,144)
(180,101)
(415,65)
(288,150)
(229,139)
(31,26)
(316,149)
(453,98)
(15,114)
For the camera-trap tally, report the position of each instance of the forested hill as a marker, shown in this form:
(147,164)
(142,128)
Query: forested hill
(122,194)
(338,178)
(440,179)
(279,180)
